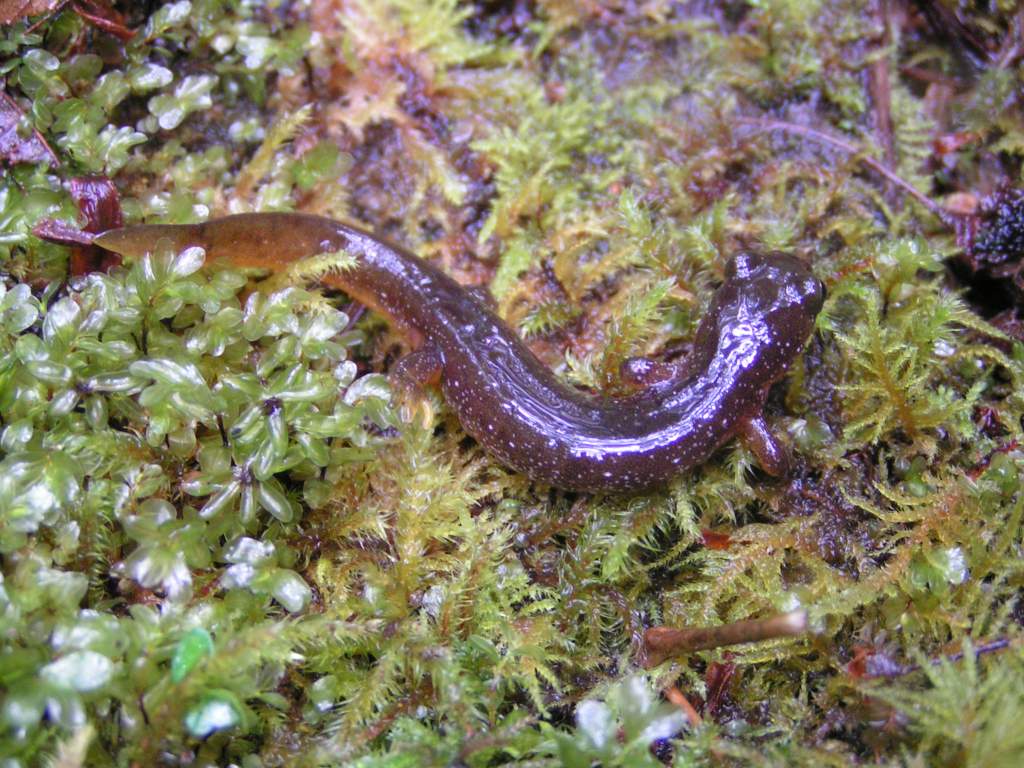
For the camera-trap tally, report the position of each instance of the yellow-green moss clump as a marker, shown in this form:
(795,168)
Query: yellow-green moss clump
(220,545)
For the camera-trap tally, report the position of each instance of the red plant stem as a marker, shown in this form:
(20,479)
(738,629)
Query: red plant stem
(676,697)
(870,162)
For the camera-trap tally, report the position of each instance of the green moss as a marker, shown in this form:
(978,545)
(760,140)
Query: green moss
(966,712)
(218,540)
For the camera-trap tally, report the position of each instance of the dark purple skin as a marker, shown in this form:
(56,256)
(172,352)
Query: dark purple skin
(505,397)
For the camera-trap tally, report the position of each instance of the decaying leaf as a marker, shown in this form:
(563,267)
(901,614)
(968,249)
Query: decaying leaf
(14,10)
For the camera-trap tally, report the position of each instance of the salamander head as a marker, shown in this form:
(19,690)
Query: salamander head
(779,280)
(763,314)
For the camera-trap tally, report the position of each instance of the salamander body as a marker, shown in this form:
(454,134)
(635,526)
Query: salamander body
(756,325)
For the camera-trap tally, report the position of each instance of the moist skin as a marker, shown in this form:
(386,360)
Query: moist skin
(756,325)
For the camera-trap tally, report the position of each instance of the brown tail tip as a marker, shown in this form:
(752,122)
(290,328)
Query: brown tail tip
(137,241)
(113,240)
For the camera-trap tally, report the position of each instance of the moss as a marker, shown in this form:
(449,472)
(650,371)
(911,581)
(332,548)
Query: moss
(220,543)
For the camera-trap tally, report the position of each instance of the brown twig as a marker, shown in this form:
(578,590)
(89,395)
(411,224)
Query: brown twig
(661,643)
(870,162)
(880,85)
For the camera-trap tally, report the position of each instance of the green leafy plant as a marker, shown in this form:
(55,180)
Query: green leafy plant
(219,542)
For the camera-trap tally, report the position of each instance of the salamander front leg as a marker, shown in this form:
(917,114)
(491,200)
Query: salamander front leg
(410,376)
(771,454)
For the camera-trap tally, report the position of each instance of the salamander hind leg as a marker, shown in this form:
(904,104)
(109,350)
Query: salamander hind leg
(410,376)
(771,454)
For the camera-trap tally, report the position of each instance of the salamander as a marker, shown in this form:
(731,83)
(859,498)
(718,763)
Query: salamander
(512,404)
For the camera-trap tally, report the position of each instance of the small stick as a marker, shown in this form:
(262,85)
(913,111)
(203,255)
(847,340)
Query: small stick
(880,85)
(870,162)
(661,643)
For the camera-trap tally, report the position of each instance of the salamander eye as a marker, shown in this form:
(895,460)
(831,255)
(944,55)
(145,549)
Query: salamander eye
(814,293)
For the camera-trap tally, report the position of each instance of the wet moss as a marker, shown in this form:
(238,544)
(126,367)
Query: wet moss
(219,543)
